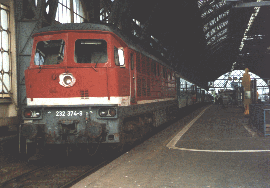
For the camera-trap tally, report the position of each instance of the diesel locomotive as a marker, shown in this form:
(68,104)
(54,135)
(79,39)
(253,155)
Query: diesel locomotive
(89,83)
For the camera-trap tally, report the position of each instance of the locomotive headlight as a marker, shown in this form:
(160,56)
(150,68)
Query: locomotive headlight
(112,112)
(66,79)
(36,114)
(32,113)
(27,113)
(103,112)
(107,112)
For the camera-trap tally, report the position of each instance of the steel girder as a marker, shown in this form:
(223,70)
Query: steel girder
(121,15)
(252,4)
(28,10)
(29,18)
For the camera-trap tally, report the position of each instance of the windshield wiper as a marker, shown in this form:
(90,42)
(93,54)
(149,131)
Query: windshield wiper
(98,60)
(94,68)
(60,56)
(39,68)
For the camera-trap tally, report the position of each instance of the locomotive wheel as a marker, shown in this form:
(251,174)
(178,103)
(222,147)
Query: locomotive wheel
(25,144)
(27,149)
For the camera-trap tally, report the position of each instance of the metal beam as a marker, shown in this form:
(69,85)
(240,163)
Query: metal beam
(93,10)
(121,15)
(252,4)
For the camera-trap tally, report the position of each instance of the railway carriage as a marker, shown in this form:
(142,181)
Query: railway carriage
(88,83)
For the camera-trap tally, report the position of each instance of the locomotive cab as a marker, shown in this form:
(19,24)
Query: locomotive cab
(72,90)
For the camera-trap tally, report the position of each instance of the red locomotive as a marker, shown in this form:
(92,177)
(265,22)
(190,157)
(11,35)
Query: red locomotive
(88,83)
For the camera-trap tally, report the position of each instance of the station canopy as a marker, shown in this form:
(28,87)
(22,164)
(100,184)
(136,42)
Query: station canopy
(237,36)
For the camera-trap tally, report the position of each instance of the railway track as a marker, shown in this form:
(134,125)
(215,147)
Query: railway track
(12,180)
(52,176)
(63,172)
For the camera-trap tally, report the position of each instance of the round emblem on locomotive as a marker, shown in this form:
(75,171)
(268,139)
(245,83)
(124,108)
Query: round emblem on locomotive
(66,80)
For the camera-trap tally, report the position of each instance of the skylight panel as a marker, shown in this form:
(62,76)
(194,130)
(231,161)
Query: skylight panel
(202,2)
(217,29)
(213,4)
(251,20)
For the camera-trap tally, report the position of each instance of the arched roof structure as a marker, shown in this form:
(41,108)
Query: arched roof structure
(231,80)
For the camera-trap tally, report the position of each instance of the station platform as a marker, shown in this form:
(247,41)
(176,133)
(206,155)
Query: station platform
(215,148)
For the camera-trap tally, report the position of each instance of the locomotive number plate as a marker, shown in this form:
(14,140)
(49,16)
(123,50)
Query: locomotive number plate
(68,113)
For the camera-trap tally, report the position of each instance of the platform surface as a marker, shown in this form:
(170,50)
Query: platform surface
(217,148)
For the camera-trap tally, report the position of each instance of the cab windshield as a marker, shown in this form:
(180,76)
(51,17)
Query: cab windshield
(90,51)
(50,52)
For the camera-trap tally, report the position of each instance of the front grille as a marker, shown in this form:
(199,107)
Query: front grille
(84,94)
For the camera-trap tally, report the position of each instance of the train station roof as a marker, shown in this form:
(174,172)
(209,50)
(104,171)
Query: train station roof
(207,38)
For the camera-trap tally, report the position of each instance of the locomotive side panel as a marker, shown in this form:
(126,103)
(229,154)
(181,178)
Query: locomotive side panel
(143,77)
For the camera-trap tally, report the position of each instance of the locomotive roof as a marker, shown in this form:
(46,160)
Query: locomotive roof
(131,41)
(78,26)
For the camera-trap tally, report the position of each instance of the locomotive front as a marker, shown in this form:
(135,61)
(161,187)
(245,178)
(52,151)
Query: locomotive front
(71,87)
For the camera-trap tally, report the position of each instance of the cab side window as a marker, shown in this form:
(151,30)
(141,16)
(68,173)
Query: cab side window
(116,57)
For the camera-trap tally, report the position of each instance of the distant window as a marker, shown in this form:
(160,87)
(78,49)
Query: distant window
(49,52)
(183,85)
(5,63)
(91,51)
(70,11)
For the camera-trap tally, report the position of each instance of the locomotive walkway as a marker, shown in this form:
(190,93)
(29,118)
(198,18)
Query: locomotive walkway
(215,148)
